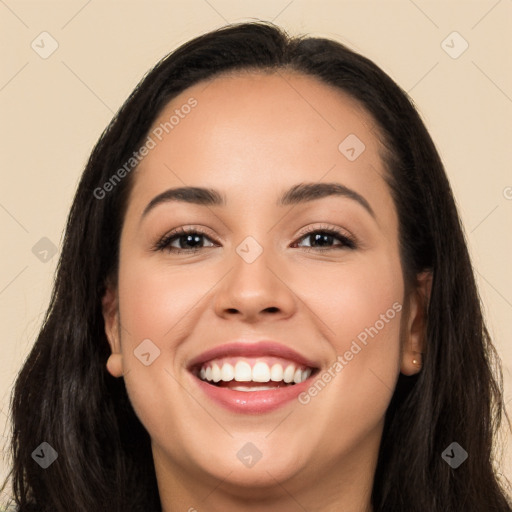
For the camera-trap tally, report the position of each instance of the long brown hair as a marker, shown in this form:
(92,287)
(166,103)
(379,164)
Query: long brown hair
(64,395)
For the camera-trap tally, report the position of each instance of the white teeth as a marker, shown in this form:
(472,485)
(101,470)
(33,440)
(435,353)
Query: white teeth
(276,373)
(228,372)
(260,372)
(289,373)
(243,372)
(253,388)
(216,376)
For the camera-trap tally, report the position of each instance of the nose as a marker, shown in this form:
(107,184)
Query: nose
(257,290)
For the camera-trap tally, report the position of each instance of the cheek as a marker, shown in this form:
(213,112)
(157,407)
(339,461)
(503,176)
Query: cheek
(357,306)
(356,300)
(367,309)
(154,300)
(361,319)
(157,303)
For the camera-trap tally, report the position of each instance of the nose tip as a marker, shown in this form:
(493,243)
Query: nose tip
(253,289)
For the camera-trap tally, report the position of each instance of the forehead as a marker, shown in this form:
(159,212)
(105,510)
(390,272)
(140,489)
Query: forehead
(273,109)
(256,132)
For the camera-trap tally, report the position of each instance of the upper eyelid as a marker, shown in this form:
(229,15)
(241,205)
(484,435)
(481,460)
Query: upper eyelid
(184,230)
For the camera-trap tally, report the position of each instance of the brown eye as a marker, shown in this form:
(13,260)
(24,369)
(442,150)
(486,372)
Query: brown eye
(187,241)
(322,239)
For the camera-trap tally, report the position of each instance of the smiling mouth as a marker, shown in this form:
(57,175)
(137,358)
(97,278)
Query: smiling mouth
(252,374)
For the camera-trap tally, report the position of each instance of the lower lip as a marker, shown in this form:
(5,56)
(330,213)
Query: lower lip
(252,402)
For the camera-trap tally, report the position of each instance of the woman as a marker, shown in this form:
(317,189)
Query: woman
(196,355)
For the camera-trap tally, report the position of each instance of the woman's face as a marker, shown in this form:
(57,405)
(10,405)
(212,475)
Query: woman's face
(263,265)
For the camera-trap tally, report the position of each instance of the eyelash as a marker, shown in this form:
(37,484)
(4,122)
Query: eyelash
(163,244)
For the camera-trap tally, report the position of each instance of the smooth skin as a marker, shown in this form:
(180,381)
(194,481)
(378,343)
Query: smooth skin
(252,136)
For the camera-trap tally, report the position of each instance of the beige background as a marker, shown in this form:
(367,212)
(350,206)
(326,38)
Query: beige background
(54,109)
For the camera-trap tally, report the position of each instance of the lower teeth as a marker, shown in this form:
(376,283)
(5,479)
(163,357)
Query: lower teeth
(254,388)
(242,387)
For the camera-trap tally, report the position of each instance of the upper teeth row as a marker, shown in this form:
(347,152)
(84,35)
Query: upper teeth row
(260,372)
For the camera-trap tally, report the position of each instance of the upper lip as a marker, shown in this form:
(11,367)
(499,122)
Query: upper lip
(261,348)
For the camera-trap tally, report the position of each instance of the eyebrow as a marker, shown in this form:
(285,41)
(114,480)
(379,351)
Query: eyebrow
(298,194)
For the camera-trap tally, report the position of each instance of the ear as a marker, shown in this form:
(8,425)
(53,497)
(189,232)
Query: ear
(110,307)
(415,327)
